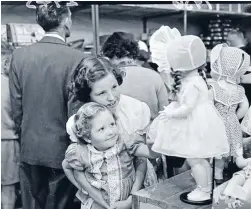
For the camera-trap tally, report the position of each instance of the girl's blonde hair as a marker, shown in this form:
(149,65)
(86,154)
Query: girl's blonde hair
(82,120)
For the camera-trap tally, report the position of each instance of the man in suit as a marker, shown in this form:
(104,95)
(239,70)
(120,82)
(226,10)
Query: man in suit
(39,79)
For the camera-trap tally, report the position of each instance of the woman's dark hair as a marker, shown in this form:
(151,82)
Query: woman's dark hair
(49,16)
(90,70)
(120,45)
(143,55)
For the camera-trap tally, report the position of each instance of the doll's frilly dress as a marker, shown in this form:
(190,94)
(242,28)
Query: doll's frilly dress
(197,134)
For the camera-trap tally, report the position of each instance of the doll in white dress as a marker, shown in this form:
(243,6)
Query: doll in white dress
(190,126)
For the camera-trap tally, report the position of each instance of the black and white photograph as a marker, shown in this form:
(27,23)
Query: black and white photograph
(125,104)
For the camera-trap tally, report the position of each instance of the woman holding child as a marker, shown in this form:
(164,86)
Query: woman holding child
(97,80)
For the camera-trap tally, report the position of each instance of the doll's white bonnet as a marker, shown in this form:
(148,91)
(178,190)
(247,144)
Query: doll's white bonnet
(229,62)
(186,53)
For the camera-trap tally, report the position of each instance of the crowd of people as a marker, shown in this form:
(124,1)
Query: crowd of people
(92,127)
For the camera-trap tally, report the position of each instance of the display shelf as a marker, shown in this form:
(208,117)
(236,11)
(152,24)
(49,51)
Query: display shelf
(24,34)
(3,33)
(237,10)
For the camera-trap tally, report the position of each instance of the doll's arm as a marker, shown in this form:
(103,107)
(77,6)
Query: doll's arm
(93,192)
(185,109)
(242,162)
(243,108)
(144,151)
(246,78)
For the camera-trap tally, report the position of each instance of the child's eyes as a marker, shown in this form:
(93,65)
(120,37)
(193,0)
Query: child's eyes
(101,129)
(102,93)
(112,124)
(114,87)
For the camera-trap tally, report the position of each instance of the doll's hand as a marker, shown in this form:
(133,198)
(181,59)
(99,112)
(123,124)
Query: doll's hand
(246,78)
(234,203)
(165,114)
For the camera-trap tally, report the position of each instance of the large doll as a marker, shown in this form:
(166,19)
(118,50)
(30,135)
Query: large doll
(190,126)
(228,64)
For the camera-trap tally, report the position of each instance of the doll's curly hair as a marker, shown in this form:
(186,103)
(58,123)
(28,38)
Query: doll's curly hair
(90,70)
(120,45)
(83,117)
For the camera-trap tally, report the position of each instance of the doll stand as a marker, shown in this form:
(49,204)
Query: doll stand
(183,196)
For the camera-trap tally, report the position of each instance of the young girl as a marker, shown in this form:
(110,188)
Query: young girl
(228,64)
(190,126)
(105,157)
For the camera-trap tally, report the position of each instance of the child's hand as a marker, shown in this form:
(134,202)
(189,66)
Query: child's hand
(126,204)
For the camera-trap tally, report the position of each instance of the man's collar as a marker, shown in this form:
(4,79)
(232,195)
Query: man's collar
(54,35)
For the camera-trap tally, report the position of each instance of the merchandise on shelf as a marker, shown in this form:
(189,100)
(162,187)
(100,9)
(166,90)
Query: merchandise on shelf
(217,32)
(24,34)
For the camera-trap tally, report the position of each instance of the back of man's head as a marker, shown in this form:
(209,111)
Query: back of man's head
(50,16)
(236,38)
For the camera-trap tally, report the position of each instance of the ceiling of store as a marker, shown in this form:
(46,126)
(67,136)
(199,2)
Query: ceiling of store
(140,11)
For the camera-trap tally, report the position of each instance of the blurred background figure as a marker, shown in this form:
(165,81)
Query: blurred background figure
(143,55)
(237,39)
(140,82)
(10,149)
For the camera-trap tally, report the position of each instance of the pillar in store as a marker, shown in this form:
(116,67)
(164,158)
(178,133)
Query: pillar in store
(95,25)
(185,21)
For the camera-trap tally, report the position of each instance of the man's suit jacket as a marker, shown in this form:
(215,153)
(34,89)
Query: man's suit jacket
(39,79)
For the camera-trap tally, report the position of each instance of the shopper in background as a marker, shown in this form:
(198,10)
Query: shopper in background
(143,55)
(9,139)
(39,77)
(237,39)
(140,83)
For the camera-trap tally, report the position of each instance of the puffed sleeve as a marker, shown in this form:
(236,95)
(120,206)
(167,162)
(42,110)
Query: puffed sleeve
(75,155)
(144,117)
(134,115)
